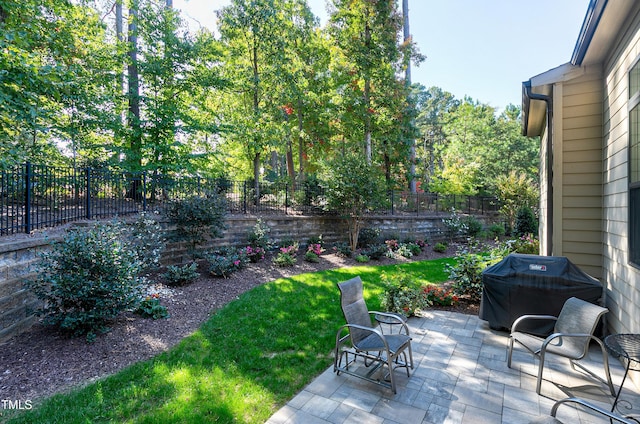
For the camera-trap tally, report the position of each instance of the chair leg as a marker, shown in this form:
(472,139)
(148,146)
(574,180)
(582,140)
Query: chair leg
(539,383)
(607,371)
(510,351)
(390,365)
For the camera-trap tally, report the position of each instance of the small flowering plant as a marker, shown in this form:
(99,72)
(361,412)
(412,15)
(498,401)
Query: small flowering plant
(222,263)
(150,307)
(400,295)
(287,255)
(315,248)
(392,244)
(435,295)
(255,254)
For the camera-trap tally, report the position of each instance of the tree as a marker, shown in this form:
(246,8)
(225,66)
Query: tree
(352,187)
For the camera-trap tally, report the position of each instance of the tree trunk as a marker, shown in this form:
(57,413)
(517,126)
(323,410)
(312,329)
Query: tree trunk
(135,146)
(300,143)
(407,80)
(367,98)
(256,178)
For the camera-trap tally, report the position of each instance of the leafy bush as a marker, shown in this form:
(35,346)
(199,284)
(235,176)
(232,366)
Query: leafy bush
(342,249)
(467,272)
(311,257)
(423,244)
(150,307)
(400,294)
(255,254)
(526,222)
(259,237)
(496,231)
(87,279)
(440,247)
(414,248)
(436,295)
(362,258)
(392,244)
(284,259)
(527,244)
(315,248)
(375,252)
(368,237)
(181,275)
(316,240)
(404,250)
(224,262)
(146,238)
(197,218)
(455,225)
(473,226)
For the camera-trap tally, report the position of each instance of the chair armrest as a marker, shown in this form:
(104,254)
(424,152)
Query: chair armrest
(524,318)
(393,317)
(369,329)
(594,408)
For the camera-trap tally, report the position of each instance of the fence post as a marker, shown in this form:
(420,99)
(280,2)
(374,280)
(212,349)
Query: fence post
(88,195)
(469,205)
(286,197)
(244,197)
(392,205)
(417,204)
(27,198)
(144,191)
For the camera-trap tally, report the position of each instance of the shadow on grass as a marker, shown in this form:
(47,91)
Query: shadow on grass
(245,362)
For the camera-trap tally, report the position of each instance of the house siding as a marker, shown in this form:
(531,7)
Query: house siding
(623,294)
(579,236)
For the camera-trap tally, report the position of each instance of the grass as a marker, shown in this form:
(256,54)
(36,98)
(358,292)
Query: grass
(241,366)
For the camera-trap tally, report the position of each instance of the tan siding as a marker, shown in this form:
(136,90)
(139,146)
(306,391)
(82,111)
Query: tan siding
(621,279)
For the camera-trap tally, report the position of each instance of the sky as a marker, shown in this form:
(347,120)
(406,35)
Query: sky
(483,49)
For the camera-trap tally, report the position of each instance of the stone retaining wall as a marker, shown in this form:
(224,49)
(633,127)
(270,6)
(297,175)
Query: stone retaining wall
(19,257)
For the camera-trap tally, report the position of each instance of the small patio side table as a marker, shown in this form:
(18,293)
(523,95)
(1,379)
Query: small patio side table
(382,319)
(627,346)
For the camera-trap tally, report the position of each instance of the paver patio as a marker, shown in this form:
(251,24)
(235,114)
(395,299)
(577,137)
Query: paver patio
(461,376)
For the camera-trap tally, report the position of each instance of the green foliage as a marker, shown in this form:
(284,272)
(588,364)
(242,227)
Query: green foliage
(150,307)
(146,238)
(181,275)
(309,256)
(343,249)
(526,222)
(197,218)
(496,231)
(405,250)
(473,226)
(515,190)
(259,237)
(440,247)
(455,225)
(255,254)
(401,295)
(362,258)
(224,262)
(375,252)
(467,272)
(352,187)
(87,279)
(368,237)
(436,295)
(284,259)
(527,244)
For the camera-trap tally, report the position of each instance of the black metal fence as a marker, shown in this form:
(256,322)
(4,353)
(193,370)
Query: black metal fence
(39,196)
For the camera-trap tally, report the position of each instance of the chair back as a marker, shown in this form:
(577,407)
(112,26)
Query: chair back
(578,317)
(354,308)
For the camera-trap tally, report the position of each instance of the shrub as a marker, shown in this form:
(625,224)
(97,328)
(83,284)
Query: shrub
(496,231)
(368,237)
(526,244)
(467,272)
(181,275)
(316,240)
(440,247)
(526,222)
(311,257)
(284,259)
(259,236)
(473,226)
(146,238)
(455,225)
(150,307)
(254,254)
(436,295)
(197,218)
(342,249)
(375,252)
(392,244)
(404,250)
(414,248)
(400,294)
(87,279)
(362,258)
(315,248)
(224,262)
(423,244)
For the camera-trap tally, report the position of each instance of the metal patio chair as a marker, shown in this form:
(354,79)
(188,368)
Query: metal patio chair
(572,333)
(589,407)
(363,340)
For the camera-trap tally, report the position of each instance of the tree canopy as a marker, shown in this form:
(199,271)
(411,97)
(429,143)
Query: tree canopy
(269,95)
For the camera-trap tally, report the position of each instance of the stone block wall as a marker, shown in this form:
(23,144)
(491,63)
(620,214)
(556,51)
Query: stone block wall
(19,257)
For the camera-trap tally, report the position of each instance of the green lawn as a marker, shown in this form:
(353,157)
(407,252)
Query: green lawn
(241,366)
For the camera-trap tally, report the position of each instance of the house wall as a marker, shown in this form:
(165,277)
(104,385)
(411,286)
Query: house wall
(578,172)
(621,279)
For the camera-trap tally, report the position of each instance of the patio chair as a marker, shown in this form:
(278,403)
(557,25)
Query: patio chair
(572,333)
(363,340)
(613,417)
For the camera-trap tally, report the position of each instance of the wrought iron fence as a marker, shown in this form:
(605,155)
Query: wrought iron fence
(38,196)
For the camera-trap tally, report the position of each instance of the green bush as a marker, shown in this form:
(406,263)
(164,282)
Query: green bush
(473,226)
(526,222)
(467,272)
(284,259)
(496,231)
(146,238)
(150,307)
(404,250)
(368,237)
(375,252)
(259,236)
(362,258)
(310,256)
(342,249)
(440,247)
(400,294)
(181,275)
(197,218)
(225,262)
(87,279)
